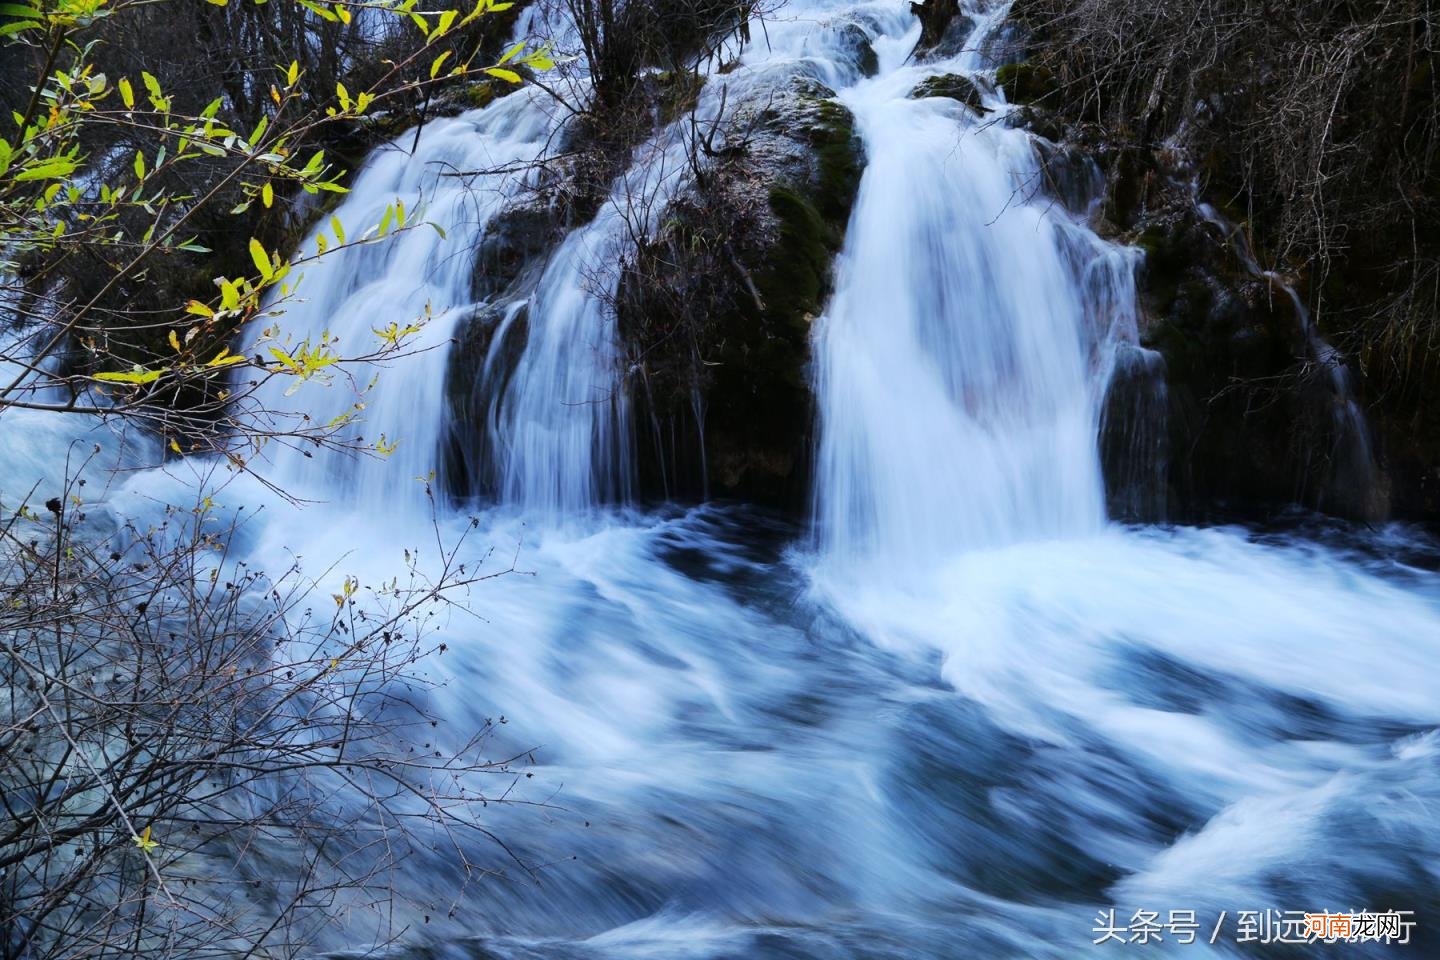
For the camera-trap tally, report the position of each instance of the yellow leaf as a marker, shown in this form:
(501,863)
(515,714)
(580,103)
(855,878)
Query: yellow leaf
(199,309)
(503,74)
(127,93)
(267,195)
(286,359)
(509,54)
(292,74)
(261,259)
(225,358)
(229,294)
(133,376)
(144,842)
(175,446)
(174,342)
(437,63)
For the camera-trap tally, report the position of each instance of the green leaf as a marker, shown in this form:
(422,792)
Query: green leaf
(18,26)
(539,60)
(512,51)
(286,359)
(447,19)
(48,169)
(338,228)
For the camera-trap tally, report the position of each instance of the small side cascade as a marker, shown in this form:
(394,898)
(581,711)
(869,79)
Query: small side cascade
(1351,481)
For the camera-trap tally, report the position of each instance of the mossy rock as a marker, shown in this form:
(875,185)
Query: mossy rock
(716,310)
(1038,121)
(838,155)
(1027,83)
(954,86)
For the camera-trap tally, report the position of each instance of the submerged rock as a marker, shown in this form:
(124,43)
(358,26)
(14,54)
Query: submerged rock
(855,41)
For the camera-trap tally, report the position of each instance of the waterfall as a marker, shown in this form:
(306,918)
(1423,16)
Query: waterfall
(962,360)
(421,276)
(978,712)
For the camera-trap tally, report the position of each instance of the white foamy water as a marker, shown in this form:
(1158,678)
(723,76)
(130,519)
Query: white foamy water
(963,712)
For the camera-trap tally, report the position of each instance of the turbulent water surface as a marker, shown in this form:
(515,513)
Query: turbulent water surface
(958,713)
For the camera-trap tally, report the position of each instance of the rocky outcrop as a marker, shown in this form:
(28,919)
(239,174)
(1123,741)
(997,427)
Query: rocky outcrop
(1251,421)
(1254,422)
(1262,412)
(716,308)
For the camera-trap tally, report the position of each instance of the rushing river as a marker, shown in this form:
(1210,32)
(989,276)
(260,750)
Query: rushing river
(955,714)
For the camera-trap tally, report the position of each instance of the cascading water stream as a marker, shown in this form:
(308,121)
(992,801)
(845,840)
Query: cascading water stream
(967,346)
(355,293)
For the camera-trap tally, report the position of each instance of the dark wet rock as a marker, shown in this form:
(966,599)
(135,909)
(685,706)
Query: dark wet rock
(716,309)
(513,240)
(487,347)
(1135,437)
(1253,418)
(1252,422)
(943,28)
(1038,121)
(1261,415)
(508,263)
(855,40)
(1070,175)
(955,86)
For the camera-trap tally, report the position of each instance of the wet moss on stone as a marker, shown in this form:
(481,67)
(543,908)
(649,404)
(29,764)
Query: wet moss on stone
(1027,82)
(954,86)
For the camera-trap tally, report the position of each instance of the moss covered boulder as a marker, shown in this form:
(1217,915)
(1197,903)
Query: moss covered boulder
(716,309)
(1027,83)
(954,86)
